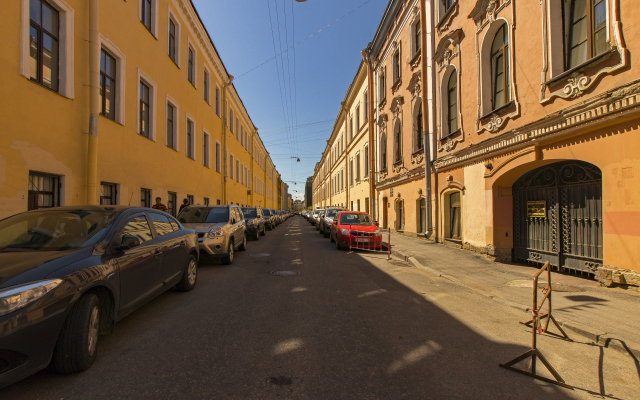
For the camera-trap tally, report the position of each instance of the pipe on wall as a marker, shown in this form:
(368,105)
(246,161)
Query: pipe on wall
(94,102)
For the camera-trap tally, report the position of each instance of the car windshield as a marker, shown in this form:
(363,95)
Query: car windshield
(250,212)
(355,219)
(332,213)
(208,215)
(54,230)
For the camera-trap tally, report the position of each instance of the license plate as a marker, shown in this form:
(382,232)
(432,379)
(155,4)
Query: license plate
(362,240)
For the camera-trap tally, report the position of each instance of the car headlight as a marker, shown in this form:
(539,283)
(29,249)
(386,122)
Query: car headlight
(214,233)
(328,220)
(377,233)
(344,231)
(17,297)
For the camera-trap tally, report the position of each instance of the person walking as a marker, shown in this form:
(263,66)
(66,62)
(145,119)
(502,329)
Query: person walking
(185,203)
(159,205)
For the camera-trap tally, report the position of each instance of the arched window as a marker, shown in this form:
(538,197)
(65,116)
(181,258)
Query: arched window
(398,141)
(500,68)
(419,129)
(587,31)
(383,152)
(452,102)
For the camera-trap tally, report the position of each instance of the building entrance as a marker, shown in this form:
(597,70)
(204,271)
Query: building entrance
(558,216)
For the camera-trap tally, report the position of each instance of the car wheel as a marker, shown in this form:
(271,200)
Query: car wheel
(331,237)
(77,345)
(338,243)
(263,231)
(257,235)
(190,275)
(228,259)
(326,234)
(243,246)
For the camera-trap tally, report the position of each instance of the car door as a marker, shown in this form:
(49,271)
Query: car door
(140,266)
(173,247)
(237,227)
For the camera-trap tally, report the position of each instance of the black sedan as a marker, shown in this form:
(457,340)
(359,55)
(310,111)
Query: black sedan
(67,274)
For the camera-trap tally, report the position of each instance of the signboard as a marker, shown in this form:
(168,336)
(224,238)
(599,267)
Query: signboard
(391,190)
(537,209)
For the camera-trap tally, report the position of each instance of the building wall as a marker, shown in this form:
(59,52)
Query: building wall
(46,132)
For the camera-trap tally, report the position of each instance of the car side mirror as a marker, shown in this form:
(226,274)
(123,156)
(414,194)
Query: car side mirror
(128,242)
(377,223)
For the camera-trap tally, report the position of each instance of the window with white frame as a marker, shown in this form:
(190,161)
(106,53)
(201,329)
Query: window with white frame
(397,70)
(587,30)
(171,138)
(231,118)
(218,101)
(206,81)
(381,86)
(351,172)
(190,140)
(218,156)
(366,105)
(206,161)
(148,13)
(366,160)
(358,118)
(173,38)
(417,37)
(231,158)
(350,128)
(358,166)
(112,80)
(237,129)
(146,106)
(192,62)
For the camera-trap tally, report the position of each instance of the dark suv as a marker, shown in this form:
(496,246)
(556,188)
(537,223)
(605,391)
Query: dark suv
(324,223)
(255,222)
(269,218)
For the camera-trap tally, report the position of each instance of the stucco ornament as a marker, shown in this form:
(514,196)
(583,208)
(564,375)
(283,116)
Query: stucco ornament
(417,158)
(450,144)
(494,124)
(383,174)
(397,168)
(448,48)
(576,86)
(396,106)
(485,11)
(414,86)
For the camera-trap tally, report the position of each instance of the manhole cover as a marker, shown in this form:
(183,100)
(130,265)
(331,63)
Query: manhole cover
(260,255)
(285,273)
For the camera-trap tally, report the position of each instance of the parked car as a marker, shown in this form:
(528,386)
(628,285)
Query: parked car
(314,216)
(255,222)
(68,274)
(221,229)
(355,229)
(326,221)
(269,219)
(318,219)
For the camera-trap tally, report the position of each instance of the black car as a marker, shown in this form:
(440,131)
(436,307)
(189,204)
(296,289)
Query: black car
(255,222)
(269,218)
(67,274)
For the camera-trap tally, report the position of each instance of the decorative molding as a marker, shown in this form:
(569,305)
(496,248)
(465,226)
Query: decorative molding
(603,108)
(396,106)
(414,86)
(417,157)
(397,167)
(416,60)
(445,22)
(449,145)
(448,48)
(576,84)
(508,160)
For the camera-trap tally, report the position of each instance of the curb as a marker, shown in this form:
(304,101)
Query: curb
(598,337)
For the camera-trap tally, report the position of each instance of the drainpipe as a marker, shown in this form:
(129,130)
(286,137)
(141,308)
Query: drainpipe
(366,55)
(94,102)
(225,115)
(346,155)
(426,105)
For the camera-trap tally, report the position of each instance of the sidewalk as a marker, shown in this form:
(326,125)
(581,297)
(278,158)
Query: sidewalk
(580,305)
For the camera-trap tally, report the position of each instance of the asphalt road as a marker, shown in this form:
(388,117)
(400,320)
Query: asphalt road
(349,326)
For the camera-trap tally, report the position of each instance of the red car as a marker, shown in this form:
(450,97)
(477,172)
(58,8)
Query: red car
(357,228)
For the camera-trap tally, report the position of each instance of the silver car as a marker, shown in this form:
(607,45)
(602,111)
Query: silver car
(221,229)
(324,224)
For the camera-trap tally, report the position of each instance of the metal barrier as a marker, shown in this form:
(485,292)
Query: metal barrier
(369,247)
(536,328)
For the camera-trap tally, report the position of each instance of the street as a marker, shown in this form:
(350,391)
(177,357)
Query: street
(348,326)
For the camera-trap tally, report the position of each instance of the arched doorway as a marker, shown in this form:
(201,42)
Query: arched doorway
(421,207)
(557,216)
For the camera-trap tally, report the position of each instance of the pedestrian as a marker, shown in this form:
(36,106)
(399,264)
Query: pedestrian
(159,205)
(185,203)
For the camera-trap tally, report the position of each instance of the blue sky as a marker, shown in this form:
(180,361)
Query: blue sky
(295,98)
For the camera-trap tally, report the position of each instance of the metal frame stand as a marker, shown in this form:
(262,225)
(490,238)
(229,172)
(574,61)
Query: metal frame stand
(536,328)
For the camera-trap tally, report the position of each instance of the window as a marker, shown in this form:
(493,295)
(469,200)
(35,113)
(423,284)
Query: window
(398,141)
(171,125)
(44,191)
(366,160)
(237,129)
(366,205)
(383,152)
(205,150)
(190,199)
(399,215)
(217,101)
(358,166)
(107,85)
(452,102)
(145,115)
(381,87)
(218,156)
(138,226)
(231,118)
(351,128)
(358,118)
(237,170)
(206,201)
(366,106)
(587,31)
(454,215)
(417,37)
(108,192)
(206,86)
(396,66)
(191,66)
(419,129)
(351,172)
(44,44)
(145,198)
(172,41)
(145,13)
(172,199)
(161,224)
(189,138)
(500,68)
(447,4)
(232,166)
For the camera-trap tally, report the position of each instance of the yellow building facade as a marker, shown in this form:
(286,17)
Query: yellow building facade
(169,122)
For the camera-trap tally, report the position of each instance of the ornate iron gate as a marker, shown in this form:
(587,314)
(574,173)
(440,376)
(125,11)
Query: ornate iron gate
(558,216)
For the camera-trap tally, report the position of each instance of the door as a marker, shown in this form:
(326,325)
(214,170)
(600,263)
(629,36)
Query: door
(385,211)
(422,207)
(141,266)
(173,247)
(558,216)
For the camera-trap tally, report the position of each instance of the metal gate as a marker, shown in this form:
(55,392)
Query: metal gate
(558,216)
